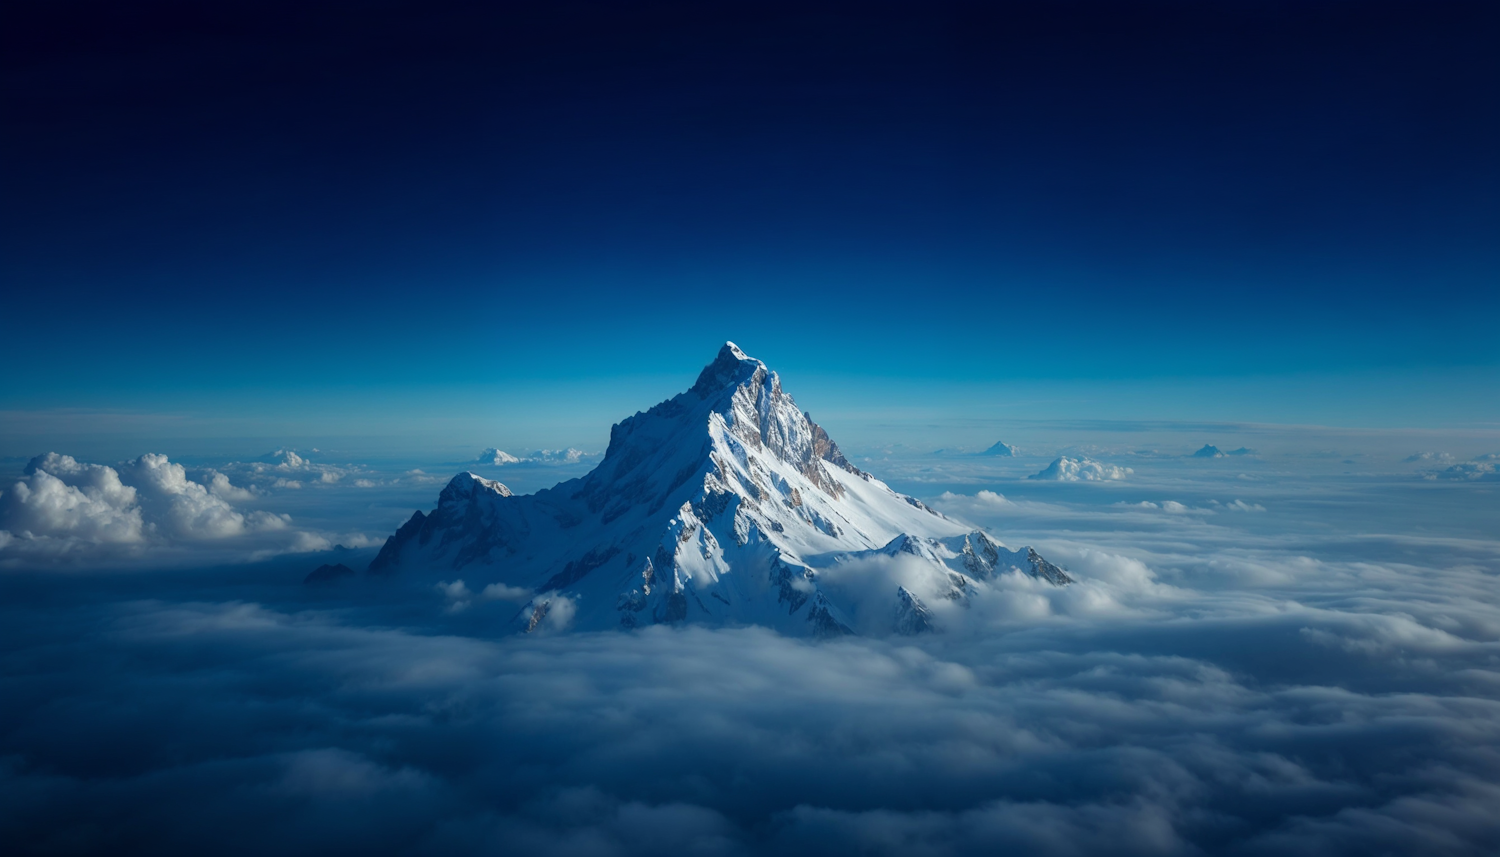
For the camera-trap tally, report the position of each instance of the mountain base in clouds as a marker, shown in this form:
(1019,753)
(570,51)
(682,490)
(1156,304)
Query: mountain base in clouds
(1238,667)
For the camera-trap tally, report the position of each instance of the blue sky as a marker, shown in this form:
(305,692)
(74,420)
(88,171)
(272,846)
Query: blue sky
(377,237)
(1242,211)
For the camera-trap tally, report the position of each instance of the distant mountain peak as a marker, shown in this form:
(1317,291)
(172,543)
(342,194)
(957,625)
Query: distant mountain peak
(328,573)
(1000,448)
(496,456)
(1209,451)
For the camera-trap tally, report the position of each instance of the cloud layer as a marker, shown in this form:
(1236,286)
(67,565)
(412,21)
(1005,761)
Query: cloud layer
(739,741)
(1286,665)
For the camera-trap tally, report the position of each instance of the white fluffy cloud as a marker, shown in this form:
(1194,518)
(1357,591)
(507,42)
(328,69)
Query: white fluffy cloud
(1470,471)
(1171,507)
(180,508)
(290,469)
(71,503)
(460,597)
(500,458)
(218,485)
(1066,469)
(64,507)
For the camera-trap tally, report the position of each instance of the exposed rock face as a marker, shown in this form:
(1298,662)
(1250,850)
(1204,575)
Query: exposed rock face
(719,505)
(912,616)
(1044,570)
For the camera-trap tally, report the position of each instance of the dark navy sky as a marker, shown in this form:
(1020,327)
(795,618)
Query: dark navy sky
(200,199)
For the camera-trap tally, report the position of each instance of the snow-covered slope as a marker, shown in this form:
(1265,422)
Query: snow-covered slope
(723,505)
(497,457)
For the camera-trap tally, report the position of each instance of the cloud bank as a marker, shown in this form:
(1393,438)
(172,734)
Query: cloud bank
(1301,666)
(739,742)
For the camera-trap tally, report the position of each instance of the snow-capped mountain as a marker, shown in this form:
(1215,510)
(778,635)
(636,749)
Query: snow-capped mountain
(723,505)
(497,457)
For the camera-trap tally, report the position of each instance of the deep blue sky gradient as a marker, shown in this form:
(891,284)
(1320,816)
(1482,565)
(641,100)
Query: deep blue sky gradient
(211,205)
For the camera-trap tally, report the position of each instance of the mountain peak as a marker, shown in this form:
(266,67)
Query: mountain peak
(719,505)
(466,485)
(730,367)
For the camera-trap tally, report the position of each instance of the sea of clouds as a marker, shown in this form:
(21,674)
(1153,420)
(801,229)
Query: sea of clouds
(1280,654)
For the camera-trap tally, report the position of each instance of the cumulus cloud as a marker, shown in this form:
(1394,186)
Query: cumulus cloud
(64,508)
(1066,469)
(219,486)
(460,597)
(180,508)
(289,469)
(71,503)
(1171,507)
(1470,471)
(560,456)
(285,459)
(502,592)
(1240,506)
